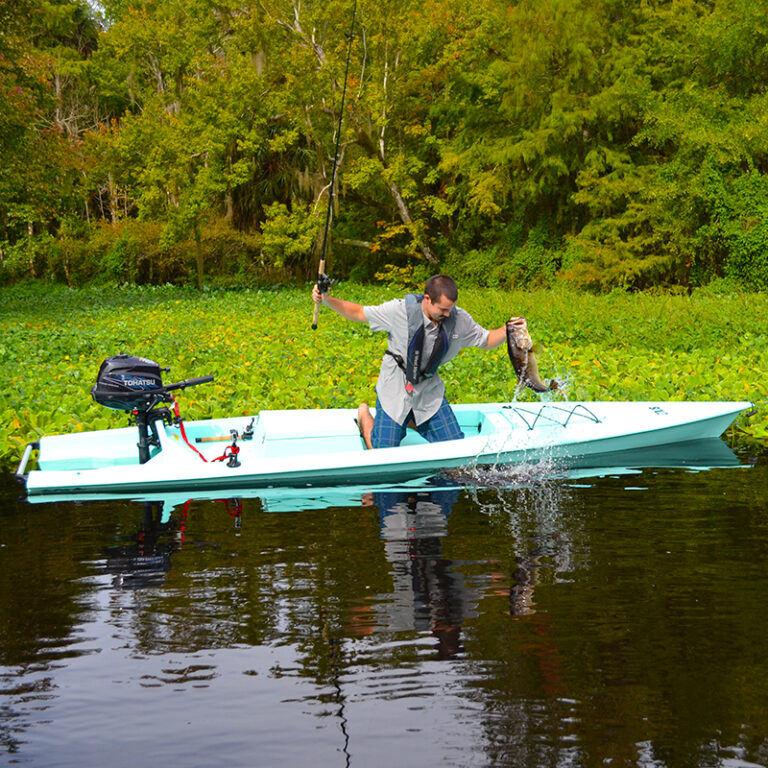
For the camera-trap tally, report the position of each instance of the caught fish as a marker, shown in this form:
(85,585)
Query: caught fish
(520,349)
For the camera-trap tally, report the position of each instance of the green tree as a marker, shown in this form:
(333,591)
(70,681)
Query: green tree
(670,206)
(618,144)
(43,48)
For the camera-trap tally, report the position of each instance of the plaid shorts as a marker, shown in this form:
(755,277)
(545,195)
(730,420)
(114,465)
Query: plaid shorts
(387,433)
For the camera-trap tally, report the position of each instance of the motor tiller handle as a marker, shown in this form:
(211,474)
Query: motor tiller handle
(188,383)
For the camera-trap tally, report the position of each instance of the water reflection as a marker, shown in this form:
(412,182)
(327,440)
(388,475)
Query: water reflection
(425,590)
(536,620)
(429,591)
(142,559)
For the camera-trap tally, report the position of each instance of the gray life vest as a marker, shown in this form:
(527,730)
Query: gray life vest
(413,368)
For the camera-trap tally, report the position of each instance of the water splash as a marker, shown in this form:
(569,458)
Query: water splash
(508,475)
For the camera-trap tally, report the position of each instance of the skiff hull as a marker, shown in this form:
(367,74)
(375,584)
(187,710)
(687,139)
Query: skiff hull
(322,447)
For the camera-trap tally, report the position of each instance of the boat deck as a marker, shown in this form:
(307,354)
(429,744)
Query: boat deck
(276,434)
(279,434)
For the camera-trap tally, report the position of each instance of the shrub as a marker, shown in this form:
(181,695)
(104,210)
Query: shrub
(288,236)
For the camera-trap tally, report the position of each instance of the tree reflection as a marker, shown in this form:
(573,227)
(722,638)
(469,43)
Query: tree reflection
(569,625)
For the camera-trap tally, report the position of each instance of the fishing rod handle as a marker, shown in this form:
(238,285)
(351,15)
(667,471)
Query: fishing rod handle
(323,284)
(316,315)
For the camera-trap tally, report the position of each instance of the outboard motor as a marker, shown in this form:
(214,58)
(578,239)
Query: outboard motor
(129,383)
(135,385)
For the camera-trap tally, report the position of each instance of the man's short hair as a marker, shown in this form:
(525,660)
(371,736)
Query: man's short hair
(441,285)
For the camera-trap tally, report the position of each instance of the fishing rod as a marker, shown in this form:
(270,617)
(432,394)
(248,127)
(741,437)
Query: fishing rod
(323,281)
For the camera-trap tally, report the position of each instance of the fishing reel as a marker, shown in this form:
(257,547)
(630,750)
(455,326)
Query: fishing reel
(324,283)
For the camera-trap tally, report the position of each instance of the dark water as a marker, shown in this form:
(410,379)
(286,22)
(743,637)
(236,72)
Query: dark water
(580,621)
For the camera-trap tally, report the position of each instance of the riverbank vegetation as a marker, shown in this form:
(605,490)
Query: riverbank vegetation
(609,144)
(261,349)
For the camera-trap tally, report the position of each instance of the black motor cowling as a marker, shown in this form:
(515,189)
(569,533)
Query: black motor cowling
(129,383)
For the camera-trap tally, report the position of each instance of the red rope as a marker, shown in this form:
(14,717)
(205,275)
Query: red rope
(233,451)
(184,431)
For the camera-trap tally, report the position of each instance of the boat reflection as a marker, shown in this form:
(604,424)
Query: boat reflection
(143,559)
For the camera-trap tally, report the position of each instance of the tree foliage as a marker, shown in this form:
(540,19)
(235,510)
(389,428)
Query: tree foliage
(609,143)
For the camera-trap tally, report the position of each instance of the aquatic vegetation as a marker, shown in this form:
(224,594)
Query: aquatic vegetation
(259,346)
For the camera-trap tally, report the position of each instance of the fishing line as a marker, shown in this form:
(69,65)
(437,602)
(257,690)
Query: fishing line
(323,281)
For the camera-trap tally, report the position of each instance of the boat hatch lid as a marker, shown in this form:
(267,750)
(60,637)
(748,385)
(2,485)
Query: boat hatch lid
(282,425)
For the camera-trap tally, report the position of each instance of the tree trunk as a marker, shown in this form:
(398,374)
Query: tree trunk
(405,215)
(30,234)
(113,202)
(377,150)
(199,258)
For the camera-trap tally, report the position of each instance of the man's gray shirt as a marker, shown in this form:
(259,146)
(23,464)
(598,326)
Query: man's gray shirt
(427,395)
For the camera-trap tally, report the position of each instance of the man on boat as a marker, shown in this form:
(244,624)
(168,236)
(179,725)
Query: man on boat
(423,332)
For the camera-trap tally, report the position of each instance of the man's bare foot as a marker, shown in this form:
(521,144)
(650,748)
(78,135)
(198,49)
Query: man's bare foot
(365,424)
